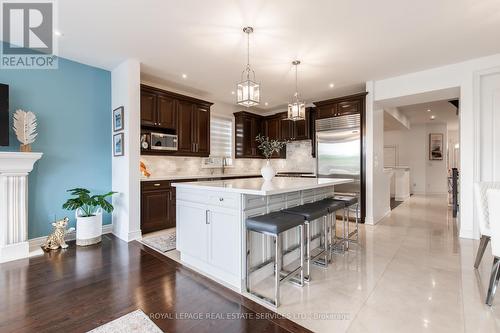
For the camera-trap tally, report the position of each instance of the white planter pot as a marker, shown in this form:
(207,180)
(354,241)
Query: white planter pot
(88,229)
(267,171)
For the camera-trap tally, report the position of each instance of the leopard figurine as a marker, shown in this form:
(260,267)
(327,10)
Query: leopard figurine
(56,238)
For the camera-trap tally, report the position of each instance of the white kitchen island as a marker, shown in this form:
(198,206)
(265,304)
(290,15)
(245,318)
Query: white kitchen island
(211,222)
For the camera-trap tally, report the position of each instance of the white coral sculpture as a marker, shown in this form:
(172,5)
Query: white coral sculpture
(25,126)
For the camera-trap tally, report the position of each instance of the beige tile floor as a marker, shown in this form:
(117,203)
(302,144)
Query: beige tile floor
(409,273)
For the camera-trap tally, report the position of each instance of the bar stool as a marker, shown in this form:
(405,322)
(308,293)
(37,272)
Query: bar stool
(351,202)
(310,212)
(274,224)
(334,206)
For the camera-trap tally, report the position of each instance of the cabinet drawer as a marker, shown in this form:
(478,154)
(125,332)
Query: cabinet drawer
(212,198)
(155,185)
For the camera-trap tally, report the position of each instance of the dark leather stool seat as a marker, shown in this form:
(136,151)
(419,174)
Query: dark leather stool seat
(333,204)
(349,201)
(310,211)
(274,223)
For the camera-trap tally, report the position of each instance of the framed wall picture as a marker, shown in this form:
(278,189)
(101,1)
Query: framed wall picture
(436,147)
(118,124)
(118,144)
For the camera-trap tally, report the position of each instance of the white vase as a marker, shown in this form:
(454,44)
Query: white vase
(267,171)
(88,228)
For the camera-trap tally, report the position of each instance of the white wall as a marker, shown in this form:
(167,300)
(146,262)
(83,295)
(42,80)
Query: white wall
(426,177)
(377,196)
(469,77)
(125,91)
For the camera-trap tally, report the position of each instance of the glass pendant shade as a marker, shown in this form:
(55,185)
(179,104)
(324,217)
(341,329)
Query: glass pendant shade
(297,110)
(248,93)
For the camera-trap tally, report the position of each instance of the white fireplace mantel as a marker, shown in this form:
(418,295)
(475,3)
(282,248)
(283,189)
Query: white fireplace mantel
(14,170)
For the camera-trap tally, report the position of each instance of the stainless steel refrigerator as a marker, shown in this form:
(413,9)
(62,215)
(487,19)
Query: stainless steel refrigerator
(338,151)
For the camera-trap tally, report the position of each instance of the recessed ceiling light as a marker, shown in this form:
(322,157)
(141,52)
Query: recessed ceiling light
(331,85)
(428,110)
(266,103)
(58,33)
(184,76)
(232,92)
(433,117)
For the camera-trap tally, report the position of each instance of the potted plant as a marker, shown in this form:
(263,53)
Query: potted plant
(268,147)
(88,212)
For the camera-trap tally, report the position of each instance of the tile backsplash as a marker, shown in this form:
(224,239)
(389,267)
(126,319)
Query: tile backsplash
(298,159)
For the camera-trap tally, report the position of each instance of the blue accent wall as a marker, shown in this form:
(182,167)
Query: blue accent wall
(73,108)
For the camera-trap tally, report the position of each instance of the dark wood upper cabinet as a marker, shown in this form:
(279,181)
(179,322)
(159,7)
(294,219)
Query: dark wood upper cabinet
(148,108)
(340,106)
(173,113)
(301,128)
(247,126)
(286,128)
(166,112)
(185,136)
(201,129)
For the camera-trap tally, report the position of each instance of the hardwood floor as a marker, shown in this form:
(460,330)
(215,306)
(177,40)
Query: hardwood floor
(78,289)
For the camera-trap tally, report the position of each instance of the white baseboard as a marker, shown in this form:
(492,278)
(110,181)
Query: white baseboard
(370,221)
(130,236)
(14,252)
(37,242)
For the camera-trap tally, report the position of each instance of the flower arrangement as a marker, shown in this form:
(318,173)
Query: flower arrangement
(268,147)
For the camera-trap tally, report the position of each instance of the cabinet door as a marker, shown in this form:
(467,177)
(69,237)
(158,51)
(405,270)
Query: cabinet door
(154,210)
(248,138)
(148,108)
(256,129)
(192,231)
(185,135)
(349,107)
(273,131)
(301,128)
(224,251)
(167,112)
(286,129)
(326,111)
(202,130)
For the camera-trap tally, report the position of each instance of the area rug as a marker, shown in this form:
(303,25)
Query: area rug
(136,321)
(162,243)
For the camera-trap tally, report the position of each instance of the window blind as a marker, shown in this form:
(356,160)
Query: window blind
(221,137)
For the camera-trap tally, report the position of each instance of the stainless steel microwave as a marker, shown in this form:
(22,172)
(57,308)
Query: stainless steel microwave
(160,141)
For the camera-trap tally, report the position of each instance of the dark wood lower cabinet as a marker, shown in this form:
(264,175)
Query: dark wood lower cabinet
(157,206)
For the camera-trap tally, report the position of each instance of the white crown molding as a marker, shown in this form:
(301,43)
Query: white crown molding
(16,163)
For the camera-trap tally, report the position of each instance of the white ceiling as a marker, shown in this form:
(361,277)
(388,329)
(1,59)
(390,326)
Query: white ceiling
(444,112)
(340,42)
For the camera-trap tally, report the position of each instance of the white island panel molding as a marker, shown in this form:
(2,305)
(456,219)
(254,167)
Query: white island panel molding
(14,170)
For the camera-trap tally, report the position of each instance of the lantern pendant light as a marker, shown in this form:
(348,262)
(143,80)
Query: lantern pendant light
(297,108)
(248,91)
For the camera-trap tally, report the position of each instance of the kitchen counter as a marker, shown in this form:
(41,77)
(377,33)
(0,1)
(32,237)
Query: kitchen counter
(257,186)
(211,219)
(180,177)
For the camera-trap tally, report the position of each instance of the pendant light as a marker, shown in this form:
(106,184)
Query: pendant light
(248,91)
(297,108)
